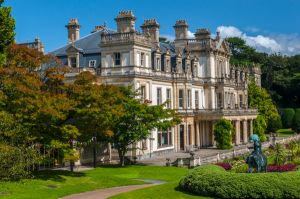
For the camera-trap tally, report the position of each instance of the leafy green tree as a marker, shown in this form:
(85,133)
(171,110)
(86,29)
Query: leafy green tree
(274,124)
(223,130)
(7,27)
(296,121)
(133,122)
(259,98)
(259,127)
(287,117)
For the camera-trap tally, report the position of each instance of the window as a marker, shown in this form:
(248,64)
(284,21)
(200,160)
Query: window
(92,63)
(241,101)
(179,66)
(164,138)
(180,98)
(197,99)
(168,65)
(168,98)
(189,99)
(117,59)
(157,64)
(143,93)
(219,100)
(159,100)
(142,59)
(73,61)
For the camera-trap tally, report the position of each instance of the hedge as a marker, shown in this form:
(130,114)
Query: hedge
(214,181)
(296,121)
(287,117)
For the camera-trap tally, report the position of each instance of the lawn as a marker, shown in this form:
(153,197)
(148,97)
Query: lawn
(55,184)
(285,132)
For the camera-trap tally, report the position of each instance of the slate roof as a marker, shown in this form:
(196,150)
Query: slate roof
(88,44)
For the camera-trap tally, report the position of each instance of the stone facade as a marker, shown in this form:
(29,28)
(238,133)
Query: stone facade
(36,44)
(193,75)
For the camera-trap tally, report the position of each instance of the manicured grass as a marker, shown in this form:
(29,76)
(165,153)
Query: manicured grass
(68,183)
(285,132)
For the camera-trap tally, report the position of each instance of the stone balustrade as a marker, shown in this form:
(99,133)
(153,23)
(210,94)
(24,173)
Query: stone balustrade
(126,37)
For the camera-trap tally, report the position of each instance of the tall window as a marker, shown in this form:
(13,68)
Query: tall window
(241,101)
(159,100)
(168,98)
(197,99)
(189,99)
(73,62)
(157,64)
(168,65)
(143,93)
(219,100)
(164,138)
(142,59)
(117,59)
(180,98)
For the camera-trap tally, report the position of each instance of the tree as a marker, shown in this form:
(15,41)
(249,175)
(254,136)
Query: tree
(223,130)
(133,122)
(287,117)
(7,27)
(274,124)
(259,127)
(259,98)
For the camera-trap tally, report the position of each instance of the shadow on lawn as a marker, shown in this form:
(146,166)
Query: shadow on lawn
(57,175)
(185,192)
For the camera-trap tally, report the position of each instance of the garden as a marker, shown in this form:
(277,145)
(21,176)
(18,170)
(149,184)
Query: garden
(230,179)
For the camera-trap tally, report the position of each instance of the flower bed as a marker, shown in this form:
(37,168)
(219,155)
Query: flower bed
(225,165)
(281,168)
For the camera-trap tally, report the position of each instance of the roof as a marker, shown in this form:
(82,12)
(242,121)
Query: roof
(88,44)
(165,46)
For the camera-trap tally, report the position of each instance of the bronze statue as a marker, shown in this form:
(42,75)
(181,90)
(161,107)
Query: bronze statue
(256,159)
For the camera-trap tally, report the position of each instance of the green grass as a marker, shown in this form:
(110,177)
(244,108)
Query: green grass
(285,132)
(104,177)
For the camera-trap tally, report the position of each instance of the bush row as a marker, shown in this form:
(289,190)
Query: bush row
(214,181)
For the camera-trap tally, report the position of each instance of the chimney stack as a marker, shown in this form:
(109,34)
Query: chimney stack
(73,30)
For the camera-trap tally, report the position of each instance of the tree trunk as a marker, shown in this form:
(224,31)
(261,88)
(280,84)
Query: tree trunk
(121,153)
(71,161)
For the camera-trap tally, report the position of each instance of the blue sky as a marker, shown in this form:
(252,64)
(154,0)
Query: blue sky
(268,25)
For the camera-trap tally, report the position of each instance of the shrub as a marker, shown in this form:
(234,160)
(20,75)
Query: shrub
(259,127)
(214,181)
(274,124)
(287,117)
(222,131)
(239,166)
(296,121)
(281,168)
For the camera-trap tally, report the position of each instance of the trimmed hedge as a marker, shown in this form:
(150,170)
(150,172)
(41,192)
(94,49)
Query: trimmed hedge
(214,181)
(287,117)
(296,121)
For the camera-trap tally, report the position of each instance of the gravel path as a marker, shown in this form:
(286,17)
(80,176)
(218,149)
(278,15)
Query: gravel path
(105,193)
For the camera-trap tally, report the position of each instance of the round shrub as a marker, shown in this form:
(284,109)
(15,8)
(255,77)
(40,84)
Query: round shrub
(296,121)
(222,131)
(214,181)
(287,117)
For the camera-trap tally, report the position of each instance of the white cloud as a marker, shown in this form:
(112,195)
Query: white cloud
(283,43)
(190,34)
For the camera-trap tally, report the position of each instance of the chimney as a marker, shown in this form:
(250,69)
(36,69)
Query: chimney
(202,33)
(125,21)
(181,29)
(151,27)
(73,30)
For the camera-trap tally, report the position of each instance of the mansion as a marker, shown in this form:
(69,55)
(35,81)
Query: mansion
(192,74)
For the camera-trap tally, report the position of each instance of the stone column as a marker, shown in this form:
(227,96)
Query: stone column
(251,127)
(197,134)
(192,135)
(245,131)
(237,132)
(213,134)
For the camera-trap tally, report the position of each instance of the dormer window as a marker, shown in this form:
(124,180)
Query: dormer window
(117,57)
(92,63)
(157,64)
(167,65)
